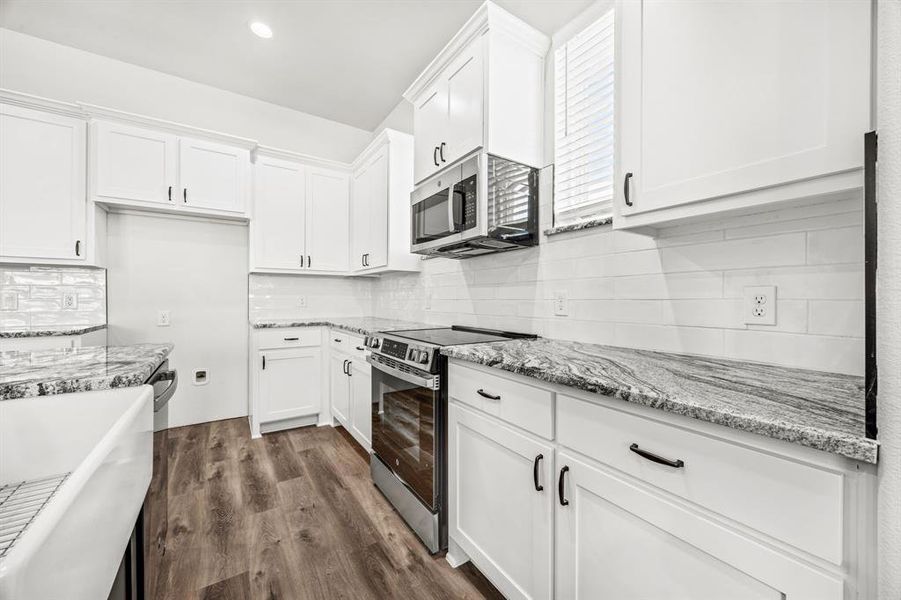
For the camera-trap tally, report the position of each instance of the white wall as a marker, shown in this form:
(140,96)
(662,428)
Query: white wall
(278,296)
(198,271)
(400,118)
(35,66)
(888,297)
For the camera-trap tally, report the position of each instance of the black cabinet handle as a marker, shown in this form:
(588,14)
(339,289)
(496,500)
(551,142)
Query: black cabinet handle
(170,193)
(344,368)
(435,156)
(441,151)
(185,195)
(485,394)
(291,339)
(361,348)
(560,482)
(77,247)
(301,261)
(337,340)
(538,486)
(676,464)
(350,364)
(627,188)
(264,362)
(309,261)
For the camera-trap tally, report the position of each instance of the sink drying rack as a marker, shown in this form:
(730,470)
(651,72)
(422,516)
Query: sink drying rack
(20,503)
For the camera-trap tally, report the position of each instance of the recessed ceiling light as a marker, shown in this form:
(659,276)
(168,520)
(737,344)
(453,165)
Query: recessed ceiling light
(261,30)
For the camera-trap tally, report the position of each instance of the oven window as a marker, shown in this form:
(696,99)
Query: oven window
(403,432)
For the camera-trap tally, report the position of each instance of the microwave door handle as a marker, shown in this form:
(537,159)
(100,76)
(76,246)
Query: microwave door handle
(455,203)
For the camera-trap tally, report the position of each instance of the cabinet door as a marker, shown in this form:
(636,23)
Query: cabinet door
(718,98)
(279,214)
(134,164)
(377,198)
(42,185)
(340,389)
(361,229)
(328,226)
(429,126)
(361,402)
(465,99)
(616,540)
(213,176)
(497,515)
(289,383)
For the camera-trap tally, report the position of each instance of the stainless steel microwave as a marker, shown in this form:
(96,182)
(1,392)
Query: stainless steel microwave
(480,205)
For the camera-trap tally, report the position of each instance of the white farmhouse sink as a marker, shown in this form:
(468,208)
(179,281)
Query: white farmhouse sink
(104,440)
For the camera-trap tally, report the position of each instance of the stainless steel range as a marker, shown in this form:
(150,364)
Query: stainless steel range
(409,422)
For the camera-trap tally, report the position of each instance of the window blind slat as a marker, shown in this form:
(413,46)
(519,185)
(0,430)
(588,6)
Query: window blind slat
(584,123)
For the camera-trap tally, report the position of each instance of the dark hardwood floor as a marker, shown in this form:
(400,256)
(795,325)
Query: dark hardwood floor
(291,516)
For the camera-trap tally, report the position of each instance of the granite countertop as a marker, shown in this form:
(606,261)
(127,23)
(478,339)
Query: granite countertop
(359,325)
(50,331)
(811,408)
(59,371)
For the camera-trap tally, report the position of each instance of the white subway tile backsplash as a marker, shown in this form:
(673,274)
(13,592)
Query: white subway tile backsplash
(40,290)
(678,291)
(837,317)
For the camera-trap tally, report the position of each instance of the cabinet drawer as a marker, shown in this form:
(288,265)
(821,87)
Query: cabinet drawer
(522,405)
(797,503)
(289,337)
(348,343)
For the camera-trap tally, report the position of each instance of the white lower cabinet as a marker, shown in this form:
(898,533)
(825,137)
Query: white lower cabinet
(289,383)
(339,384)
(361,403)
(501,502)
(582,496)
(616,540)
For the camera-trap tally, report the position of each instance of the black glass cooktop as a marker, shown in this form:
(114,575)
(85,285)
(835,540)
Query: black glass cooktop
(454,336)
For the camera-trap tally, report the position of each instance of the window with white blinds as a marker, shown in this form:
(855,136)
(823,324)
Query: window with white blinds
(583,123)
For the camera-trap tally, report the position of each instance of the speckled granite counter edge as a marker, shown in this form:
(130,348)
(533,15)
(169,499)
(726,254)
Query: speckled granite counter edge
(328,323)
(854,447)
(50,332)
(64,385)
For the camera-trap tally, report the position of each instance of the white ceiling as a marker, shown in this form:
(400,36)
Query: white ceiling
(346,60)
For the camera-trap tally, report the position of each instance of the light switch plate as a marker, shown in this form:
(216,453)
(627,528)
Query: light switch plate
(760,305)
(561,309)
(301,301)
(163,318)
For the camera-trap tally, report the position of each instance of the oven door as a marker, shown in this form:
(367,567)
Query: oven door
(404,410)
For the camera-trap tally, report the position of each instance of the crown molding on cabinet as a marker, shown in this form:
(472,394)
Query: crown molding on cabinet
(102,112)
(386,135)
(38,102)
(489,16)
(307,159)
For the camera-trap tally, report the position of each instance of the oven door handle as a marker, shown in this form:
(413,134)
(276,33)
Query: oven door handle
(427,382)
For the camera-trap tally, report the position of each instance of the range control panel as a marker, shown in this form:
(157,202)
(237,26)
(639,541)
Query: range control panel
(394,349)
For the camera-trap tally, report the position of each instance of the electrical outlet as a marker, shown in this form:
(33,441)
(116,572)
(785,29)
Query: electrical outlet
(428,300)
(9,301)
(302,301)
(70,300)
(760,305)
(560,307)
(163,319)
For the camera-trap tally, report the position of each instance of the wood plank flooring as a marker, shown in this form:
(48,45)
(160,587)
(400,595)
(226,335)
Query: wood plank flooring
(291,516)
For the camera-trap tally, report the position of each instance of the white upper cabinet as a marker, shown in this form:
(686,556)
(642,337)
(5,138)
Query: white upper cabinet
(328,219)
(213,176)
(278,223)
(380,206)
(732,105)
(138,162)
(484,90)
(42,186)
(300,219)
(132,163)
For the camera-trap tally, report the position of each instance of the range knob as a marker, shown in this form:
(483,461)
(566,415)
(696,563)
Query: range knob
(372,342)
(424,357)
(411,354)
